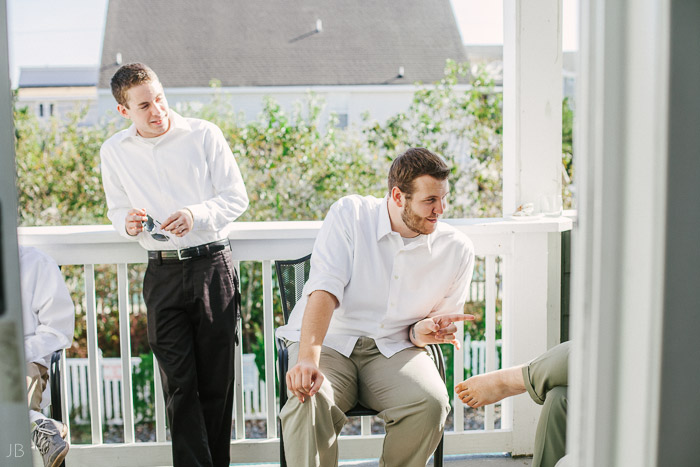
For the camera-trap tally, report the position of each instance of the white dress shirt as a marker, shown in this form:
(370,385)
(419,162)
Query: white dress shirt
(48,314)
(383,286)
(190,166)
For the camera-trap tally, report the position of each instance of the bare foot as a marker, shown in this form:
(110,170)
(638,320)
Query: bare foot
(490,388)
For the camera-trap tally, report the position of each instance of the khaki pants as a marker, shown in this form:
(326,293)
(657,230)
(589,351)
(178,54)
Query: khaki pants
(546,380)
(406,390)
(37,378)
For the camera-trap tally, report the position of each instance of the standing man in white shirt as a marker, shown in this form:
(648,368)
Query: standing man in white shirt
(173,185)
(387,278)
(48,317)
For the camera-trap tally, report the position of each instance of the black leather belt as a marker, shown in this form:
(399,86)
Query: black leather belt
(190,253)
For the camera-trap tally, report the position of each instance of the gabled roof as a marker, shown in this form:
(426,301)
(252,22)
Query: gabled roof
(48,77)
(275,42)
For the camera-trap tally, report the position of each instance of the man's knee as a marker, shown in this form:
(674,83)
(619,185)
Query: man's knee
(433,406)
(178,380)
(37,378)
(290,409)
(317,411)
(440,404)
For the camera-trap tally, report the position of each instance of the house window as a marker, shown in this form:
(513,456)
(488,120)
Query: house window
(51,110)
(41,110)
(342,121)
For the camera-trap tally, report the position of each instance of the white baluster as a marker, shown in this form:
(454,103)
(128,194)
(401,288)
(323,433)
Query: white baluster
(269,334)
(490,330)
(127,395)
(95,386)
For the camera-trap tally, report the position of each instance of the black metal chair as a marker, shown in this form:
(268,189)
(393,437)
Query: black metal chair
(291,277)
(55,384)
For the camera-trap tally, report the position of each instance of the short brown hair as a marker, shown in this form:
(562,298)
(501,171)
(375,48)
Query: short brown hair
(414,163)
(128,76)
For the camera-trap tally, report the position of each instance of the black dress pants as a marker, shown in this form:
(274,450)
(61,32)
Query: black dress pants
(192,310)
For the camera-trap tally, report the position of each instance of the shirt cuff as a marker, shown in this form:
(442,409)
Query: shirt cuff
(333,286)
(119,224)
(199,215)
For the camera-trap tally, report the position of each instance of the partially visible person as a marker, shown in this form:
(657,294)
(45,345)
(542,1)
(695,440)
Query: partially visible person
(546,380)
(49,320)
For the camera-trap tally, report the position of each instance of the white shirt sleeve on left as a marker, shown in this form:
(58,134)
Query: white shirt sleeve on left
(118,204)
(332,258)
(48,310)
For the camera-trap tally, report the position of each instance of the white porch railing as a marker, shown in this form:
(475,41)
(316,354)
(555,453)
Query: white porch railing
(253,386)
(77,377)
(530,253)
(78,402)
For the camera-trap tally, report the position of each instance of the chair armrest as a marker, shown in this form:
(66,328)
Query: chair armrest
(55,382)
(282,367)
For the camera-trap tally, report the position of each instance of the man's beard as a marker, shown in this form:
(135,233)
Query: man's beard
(413,221)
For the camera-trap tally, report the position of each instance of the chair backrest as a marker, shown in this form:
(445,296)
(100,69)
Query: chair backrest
(291,277)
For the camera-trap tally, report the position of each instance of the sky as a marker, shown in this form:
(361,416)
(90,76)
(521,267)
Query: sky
(69,32)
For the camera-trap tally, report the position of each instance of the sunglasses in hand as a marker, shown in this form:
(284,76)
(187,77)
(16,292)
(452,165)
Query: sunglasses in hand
(152,226)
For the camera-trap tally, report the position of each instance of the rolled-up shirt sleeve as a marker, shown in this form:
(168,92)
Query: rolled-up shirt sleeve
(332,258)
(230,199)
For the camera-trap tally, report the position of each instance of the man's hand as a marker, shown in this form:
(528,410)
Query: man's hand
(437,330)
(133,221)
(304,379)
(179,223)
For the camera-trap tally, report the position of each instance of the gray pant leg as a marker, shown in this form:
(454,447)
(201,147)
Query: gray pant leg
(546,380)
(550,438)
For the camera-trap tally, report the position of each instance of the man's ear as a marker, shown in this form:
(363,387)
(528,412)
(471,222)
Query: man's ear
(397,196)
(123,111)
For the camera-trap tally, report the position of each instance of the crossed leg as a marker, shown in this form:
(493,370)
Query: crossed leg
(538,377)
(546,381)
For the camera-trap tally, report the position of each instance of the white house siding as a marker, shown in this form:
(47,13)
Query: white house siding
(59,101)
(381,102)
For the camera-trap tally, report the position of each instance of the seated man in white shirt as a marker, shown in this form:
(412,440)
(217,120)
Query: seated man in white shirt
(387,278)
(48,316)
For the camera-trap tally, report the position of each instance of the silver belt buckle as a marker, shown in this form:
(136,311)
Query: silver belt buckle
(179,254)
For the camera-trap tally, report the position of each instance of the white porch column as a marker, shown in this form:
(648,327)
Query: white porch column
(532,168)
(14,436)
(531,319)
(532,96)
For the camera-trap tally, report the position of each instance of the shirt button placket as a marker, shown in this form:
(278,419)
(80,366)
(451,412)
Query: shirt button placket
(162,190)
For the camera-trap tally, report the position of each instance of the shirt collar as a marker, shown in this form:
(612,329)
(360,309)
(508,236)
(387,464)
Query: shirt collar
(383,222)
(178,124)
(384,227)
